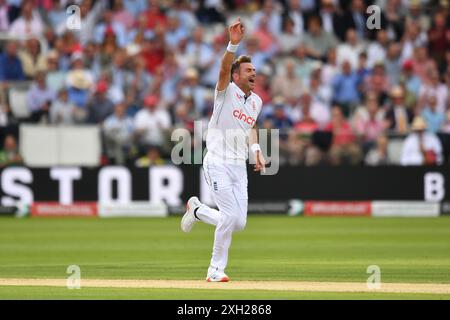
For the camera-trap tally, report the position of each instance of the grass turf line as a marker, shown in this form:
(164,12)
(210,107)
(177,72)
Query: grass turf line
(58,293)
(271,248)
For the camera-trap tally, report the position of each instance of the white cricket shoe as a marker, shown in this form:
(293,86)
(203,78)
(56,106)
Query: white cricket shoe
(215,275)
(189,219)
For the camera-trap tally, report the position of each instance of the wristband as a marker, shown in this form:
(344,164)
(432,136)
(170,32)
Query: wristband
(232,47)
(255,147)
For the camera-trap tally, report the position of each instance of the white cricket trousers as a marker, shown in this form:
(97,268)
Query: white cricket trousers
(228,183)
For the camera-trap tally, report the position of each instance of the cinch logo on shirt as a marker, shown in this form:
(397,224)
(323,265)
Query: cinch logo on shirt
(242,116)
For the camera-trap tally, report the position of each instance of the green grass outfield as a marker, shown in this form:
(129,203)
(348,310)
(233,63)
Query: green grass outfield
(271,248)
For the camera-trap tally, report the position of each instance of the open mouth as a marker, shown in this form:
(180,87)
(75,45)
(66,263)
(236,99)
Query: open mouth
(252,81)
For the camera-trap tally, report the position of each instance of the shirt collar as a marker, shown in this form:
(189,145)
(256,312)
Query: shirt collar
(240,92)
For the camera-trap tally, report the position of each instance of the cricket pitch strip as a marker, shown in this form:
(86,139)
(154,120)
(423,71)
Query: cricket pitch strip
(432,288)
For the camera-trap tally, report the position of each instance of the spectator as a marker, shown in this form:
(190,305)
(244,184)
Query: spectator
(330,69)
(344,148)
(155,16)
(289,39)
(268,42)
(378,155)
(198,51)
(68,48)
(392,63)
(317,40)
(433,86)
(118,70)
(9,155)
(253,49)
(398,118)
(100,106)
(118,131)
(421,147)
(91,59)
(40,99)
(300,147)
(135,6)
(10,65)
(185,114)
(358,16)
(295,19)
(416,14)
(304,65)
(153,51)
(137,79)
(158,42)
(345,86)
(175,31)
(151,158)
(33,60)
(363,72)
(278,117)
(287,83)
(308,6)
(422,63)
(114,92)
(184,11)
(320,91)
(108,47)
(90,13)
(4,16)
(376,51)
(411,81)
(110,26)
(122,15)
(55,77)
(211,70)
(79,80)
(368,122)
(434,119)
(318,111)
(439,37)
(413,38)
(377,81)
(262,85)
(350,49)
(271,13)
(28,24)
(57,14)
(191,87)
(139,33)
(333,22)
(394,14)
(63,111)
(151,123)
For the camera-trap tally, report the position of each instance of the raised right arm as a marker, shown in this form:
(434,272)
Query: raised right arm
(236,33)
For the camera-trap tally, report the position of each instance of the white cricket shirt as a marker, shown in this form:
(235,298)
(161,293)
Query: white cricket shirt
(233,117)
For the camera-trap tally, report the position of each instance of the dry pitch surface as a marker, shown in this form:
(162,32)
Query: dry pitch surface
(239,285)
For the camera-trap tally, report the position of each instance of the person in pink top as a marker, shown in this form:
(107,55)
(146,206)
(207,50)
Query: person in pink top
(267,40)
(343,147)
(368,122)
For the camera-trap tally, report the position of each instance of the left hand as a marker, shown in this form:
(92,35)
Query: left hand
(260,162)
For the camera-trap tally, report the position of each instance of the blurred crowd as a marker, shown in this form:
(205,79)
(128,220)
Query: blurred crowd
(338,91)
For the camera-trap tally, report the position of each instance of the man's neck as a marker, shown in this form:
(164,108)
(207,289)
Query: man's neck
(247,92)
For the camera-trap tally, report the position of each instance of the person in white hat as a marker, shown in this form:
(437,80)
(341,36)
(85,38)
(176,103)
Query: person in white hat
(421,147)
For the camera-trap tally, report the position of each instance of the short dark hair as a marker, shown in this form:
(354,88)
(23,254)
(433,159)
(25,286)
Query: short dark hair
(237,64)
(315,18)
